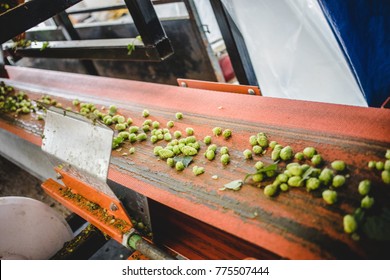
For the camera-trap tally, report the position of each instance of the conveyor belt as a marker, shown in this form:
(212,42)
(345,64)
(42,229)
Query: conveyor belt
(293,225)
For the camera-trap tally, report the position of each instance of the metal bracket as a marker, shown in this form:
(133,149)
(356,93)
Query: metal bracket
(242,89)
(90,204)
(3,72)
(71,34)
(386,104)
(149,26)
(102,49)
(235,45)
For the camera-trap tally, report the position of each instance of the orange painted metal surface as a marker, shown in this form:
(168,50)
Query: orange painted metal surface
(84,210)
(23,131)
(197,241)
(137,256)
(214,86)
(323,118)
(81,187)
(294,225)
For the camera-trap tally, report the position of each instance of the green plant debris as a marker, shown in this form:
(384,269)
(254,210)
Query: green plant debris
(22,43)
(247,154)
(338,165)
(338,181)
(227,133)
(210,154)
(299,156)
(263,170)
(367,202)
(197,170)
(99,212)
(259,165)
(179,166)
(145,113)
(189,131)
(316,160)
(262,140)
(207,140)
(309,152)
(257,150)
(253,140)
(329,196)
(225,159)
(234,185)
(217,131)
(286,153)
(131,46)
(186,160)
(270,190)
(224,150)
(350,224)
(385,175)
(45,45)
(179,115)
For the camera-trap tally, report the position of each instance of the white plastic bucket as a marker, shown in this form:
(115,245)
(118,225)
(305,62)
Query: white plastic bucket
(30,229)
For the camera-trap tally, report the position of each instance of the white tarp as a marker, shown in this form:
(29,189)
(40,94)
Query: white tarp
(294,52)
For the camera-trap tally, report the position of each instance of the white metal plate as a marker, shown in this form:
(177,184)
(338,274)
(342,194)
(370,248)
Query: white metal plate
(78,141)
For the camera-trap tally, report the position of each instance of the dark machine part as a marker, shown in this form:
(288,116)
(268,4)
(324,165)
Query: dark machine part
(155,44)
(235,45)
(193,59)
(135,204)
(83,245)
(146,248)
(63,20)
(29,14)
(149,26)
(112,250)
(3,72)
(113,49)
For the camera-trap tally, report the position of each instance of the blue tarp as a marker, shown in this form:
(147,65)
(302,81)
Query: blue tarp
(362,28)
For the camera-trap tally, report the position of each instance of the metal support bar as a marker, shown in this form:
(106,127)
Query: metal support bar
(136,242)
(158,2)
(105,49)
(156,45)
(97,9)
(3,72)
(196,24)
(225,87)
(149,26)
(29,14)
(82,246)
(235,45)
(63,20)
(115,7)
